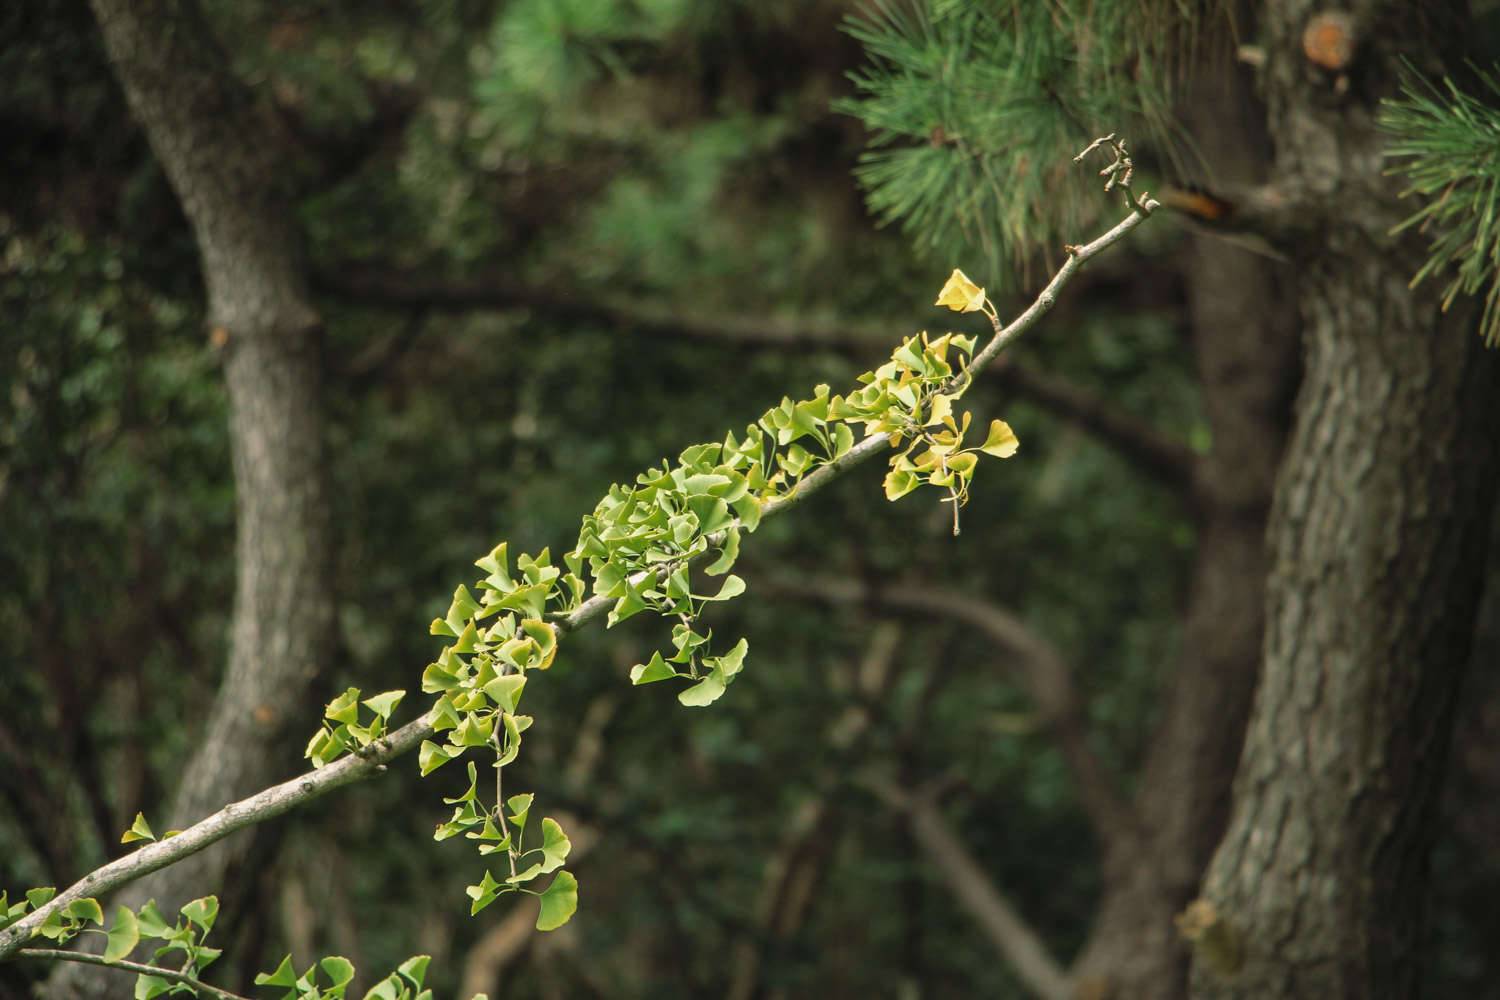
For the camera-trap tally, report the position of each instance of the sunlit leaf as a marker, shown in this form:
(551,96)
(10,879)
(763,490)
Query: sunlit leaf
(385,703)
(555,845)
(344,708)
(705,692)
(1001,440)
(430,757)
(139,830)
(656,669)
(85,909)
(961,294)
(284,975)
(202,911)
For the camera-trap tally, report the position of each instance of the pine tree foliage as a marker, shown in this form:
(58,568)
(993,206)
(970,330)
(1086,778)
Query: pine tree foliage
(1447,143)
(976,109)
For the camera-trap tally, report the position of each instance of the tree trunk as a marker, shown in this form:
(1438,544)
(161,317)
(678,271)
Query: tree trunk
(1245,348)
(220,151)
(1378,534)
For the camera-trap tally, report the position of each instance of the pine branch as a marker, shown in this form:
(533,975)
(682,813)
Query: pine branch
(281,798)
(1448,147)
(974,107)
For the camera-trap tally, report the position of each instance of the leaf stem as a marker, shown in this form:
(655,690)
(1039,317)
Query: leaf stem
(64,955)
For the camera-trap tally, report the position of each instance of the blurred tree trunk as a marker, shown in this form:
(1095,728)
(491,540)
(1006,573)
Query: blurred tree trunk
(1245,349)
(1378,534)
(221,152)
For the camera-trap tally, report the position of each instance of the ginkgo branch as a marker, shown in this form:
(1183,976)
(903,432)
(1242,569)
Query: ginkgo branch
(281,798)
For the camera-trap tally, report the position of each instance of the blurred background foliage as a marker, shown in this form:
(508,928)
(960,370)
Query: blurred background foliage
(685,153)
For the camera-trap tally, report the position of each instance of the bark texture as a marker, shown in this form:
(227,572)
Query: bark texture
(1378,534)
(1244,339)
(222,153)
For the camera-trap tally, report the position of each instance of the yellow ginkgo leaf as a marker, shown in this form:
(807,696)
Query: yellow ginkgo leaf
(960,294)
(942,406)
(1001,441)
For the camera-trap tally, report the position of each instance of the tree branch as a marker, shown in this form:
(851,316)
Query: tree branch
(1007,931)
(800,859)
(1278,215)
(64,955)
(280,798)
(1044,671)
(1159,455)
(257,808)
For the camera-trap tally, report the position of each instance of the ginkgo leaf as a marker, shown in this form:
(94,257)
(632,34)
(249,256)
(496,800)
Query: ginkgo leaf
(559,902)
(961,294)
(898,484)
(139,830)
(942,407)
(1001,441)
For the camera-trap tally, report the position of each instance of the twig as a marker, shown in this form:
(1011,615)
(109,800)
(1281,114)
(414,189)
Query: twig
(515,848)
(1006,929)
(1047,676)
(1156,453)
(257,808)
(64,955)
(1120,172)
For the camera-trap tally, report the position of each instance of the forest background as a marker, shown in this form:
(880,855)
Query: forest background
(547,244)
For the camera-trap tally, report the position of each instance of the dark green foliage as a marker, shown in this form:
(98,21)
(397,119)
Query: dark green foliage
(1446,145)
(977,110)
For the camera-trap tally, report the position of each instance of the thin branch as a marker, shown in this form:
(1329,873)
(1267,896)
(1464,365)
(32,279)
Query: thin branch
(799,861)
(281,798)
(171,975)
(373,364)
(1276,216)
(1008,932)
(257,808)
(1161,456)
(1158,454)
(1044,671)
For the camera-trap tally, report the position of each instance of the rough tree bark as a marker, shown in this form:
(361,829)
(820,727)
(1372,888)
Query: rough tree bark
(220,150)
(1378,534)
(1245,349)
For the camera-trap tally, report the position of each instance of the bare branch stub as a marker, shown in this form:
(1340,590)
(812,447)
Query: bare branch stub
(1119,173)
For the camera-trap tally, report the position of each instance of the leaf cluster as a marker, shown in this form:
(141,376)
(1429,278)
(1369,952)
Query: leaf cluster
(636,549)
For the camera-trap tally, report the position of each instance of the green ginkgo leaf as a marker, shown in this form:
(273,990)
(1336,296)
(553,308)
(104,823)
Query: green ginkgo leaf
(139,830)
(559,902)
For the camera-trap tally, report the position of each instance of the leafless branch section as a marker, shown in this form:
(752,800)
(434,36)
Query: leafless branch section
(257,808)
(972,887)
(1043,671)
(1158,454)
(281,798)
(800,861)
